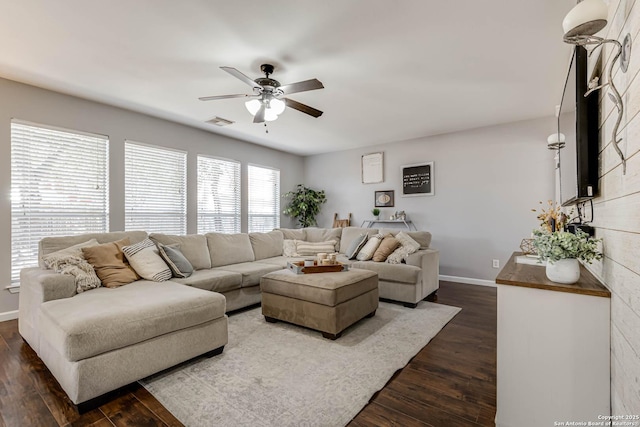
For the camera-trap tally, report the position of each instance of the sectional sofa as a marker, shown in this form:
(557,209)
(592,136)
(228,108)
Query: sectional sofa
(102,339)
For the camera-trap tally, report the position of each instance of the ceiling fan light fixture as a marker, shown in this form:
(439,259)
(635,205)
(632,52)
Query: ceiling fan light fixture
(253,106)
(277,106)
(270,115)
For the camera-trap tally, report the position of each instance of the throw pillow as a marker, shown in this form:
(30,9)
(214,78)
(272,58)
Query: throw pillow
(71,261)
(387,246)
(110,264)
(355,246)
(289,247)
(177,262)
(146,261)
(407,246)
(313,248)
(367,251)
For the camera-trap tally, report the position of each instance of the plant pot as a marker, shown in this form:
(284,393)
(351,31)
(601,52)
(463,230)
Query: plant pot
(566,271)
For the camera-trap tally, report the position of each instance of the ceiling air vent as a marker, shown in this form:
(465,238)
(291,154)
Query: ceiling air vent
(219,121)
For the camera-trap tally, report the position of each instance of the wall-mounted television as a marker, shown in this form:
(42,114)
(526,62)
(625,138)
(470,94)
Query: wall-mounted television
(579,157)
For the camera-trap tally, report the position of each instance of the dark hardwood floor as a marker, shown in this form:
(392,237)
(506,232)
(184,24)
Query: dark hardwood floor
(450,382)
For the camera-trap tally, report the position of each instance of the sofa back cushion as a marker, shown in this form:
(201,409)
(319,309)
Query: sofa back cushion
(228,249)
(422,237)
(267,245)
(350,233)
(49,245)
(193,247)
(324,235)
(293,233)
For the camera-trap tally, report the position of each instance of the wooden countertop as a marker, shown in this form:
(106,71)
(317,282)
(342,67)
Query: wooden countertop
(533,276)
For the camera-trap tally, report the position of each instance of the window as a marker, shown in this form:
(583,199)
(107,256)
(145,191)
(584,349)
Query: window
(218,195)
(264,198)
(59,186)
(155,183)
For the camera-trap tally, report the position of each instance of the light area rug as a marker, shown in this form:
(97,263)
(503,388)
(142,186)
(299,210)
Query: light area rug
(277,374)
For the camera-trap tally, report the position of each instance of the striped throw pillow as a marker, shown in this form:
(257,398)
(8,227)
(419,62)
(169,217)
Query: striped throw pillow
(313,248)
(146,261)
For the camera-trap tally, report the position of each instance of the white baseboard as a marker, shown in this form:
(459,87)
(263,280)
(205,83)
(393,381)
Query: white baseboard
(468,280)
(8,315)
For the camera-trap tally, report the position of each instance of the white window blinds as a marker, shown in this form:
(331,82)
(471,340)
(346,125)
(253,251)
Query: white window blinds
(264,198)
(155,189)
(59,187)
(218,195)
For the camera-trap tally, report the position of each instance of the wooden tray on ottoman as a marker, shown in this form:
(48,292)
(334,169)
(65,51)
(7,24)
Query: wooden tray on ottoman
(299,267)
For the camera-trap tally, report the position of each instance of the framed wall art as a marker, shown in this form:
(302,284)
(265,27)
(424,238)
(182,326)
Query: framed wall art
(372,167)
(384,199)
(417,179)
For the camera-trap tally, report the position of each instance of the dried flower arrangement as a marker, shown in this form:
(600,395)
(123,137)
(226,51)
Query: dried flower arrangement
(552,219)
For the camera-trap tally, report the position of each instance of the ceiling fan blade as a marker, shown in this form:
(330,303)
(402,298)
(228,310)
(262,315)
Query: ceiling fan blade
(237,74)
(304,86)
(212,98)
(302,107)
(259,117)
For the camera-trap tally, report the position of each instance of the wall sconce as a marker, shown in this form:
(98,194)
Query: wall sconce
(581,23)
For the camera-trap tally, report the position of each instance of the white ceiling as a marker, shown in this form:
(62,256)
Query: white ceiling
(392,69)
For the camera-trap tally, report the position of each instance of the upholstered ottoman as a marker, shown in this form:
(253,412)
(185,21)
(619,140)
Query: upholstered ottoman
(327,302)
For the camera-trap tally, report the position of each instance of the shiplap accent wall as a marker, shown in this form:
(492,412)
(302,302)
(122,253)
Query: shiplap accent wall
(617,214)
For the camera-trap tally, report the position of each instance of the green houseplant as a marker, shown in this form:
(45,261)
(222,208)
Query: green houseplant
(562,250)
(304,205)
(376,213)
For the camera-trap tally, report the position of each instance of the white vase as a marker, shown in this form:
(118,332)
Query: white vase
(566,271)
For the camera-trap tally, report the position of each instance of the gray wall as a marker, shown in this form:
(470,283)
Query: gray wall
(487,181)
(42,106)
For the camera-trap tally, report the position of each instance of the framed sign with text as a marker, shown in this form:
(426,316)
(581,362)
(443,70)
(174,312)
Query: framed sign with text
(417,179)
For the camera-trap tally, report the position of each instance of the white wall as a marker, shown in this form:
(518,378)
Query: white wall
(42,106)
(487,181)
(617,215)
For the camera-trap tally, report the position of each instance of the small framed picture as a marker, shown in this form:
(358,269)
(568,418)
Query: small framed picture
(384,199)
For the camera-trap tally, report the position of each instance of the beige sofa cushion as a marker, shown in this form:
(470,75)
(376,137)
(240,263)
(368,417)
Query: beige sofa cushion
(110,264)
(293,233)
(267,245)
(212,280)
(52,244)
(387,246)
(193,247)
(95,322)
(422,237)
(366,253)
(323,235)
(226,249)
(251,271)
(350,233)
(402,273)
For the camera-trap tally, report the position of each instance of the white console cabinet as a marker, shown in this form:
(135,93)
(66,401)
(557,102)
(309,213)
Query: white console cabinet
(553,348)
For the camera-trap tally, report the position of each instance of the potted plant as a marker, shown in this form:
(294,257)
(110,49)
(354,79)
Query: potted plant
(562,250)
(376,213)
(304,205)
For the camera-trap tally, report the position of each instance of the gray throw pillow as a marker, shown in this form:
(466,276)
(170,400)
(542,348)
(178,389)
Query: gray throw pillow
(356,245)
(177,262)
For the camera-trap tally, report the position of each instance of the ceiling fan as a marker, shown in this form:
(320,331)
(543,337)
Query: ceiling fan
(268,100)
